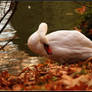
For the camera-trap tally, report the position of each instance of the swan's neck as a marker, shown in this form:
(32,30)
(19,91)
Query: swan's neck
(37,40)
(35,44)
(33,40)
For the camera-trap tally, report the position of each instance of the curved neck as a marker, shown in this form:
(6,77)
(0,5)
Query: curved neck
(37,40)
(35,44)
(33,40)
(42,30)
(42,38)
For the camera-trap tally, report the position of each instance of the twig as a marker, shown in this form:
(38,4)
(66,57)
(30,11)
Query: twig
(13,7)
(2,48)
(5,14)
(5,6)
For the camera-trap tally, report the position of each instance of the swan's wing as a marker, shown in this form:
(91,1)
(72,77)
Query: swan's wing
(69,45)
(68,39)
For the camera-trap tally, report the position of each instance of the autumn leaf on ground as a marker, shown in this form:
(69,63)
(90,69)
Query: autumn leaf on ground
(50,76)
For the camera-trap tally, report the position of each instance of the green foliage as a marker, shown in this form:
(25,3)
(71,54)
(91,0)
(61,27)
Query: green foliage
(86,21)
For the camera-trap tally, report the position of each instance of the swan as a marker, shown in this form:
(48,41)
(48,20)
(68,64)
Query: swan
(63,46)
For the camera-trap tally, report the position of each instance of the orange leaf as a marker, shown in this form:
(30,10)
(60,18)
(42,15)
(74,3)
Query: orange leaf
(81,10)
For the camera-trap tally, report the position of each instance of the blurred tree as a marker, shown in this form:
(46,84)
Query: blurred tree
(86,21)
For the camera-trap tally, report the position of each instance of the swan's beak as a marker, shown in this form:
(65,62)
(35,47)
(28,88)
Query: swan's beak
(47,49)
(42,30)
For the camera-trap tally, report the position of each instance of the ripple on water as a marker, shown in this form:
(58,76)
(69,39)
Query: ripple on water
(7,34)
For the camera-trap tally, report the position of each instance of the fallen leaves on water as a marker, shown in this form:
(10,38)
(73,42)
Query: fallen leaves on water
(81,10)
(50,76)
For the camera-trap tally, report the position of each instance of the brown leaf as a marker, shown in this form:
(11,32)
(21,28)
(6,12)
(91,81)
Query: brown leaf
(81,10)
(17,87)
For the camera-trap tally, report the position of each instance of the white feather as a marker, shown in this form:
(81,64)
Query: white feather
(66,45)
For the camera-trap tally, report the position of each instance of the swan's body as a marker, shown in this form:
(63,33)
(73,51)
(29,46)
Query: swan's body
(66,46)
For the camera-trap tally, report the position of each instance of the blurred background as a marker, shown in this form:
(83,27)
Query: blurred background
(58,15)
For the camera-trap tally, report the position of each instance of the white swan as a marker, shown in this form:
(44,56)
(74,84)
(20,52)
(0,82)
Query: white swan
(64,46)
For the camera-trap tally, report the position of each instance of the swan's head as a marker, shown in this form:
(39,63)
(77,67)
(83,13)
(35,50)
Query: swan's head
(38,42)
(42,30)
(43,27)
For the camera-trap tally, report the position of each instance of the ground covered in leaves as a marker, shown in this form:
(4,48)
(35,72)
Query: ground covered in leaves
(20,71)
(50,76)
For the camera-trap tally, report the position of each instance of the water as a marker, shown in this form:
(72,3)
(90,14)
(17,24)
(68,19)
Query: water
(11,58)
(58,15)
(8,32)
(28,16)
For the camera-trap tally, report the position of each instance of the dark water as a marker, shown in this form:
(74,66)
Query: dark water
(58,15)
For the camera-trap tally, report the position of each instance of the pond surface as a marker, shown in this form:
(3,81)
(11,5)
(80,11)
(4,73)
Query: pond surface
(58,15)
(8,31)
(11,58)
(28,16)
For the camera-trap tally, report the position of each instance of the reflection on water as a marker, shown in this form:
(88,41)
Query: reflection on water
(58,16)
(11,58)
(8,31)
(7,34)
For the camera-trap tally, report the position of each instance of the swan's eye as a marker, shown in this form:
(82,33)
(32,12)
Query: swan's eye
(47,48)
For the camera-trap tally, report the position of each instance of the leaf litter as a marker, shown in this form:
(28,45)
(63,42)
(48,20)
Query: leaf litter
(50,76)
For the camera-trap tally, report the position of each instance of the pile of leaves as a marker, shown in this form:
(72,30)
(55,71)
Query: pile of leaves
(50,76)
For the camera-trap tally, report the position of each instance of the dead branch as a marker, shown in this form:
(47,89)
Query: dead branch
(12,8)
(2,48)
